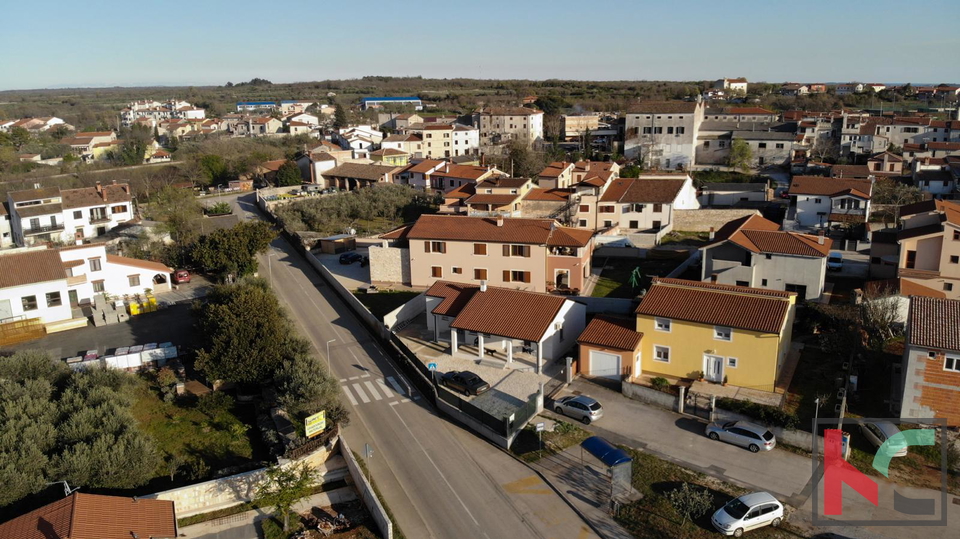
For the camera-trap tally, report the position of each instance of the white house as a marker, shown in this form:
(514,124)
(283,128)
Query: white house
(6,234)
(637,206)
(821,201)
(732,194)
(51,214)
(305,118)
(503,320)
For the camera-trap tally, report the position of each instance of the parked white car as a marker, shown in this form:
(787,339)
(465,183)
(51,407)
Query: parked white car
(748,512)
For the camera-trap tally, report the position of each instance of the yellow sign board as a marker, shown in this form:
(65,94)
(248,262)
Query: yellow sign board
(316,423)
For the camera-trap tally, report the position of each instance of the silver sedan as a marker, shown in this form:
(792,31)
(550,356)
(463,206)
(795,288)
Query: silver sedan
(749,435)
(579,407)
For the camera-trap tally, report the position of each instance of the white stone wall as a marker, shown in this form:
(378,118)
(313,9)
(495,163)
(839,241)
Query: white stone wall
(389,265)
(701,220)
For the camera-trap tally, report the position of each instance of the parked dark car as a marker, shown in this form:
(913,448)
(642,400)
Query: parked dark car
(351,257)
(181,276)
(465,382)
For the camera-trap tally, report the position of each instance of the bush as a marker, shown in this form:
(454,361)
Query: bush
(770,415)
(212,404)
(690,503)
(660,384)
(273,529)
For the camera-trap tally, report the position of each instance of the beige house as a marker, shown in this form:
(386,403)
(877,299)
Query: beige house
(437,141)
(536,255)
(498,196)
(637,204)
(575,125)
(556,175)
(930,246)
(265,125)
(499,125)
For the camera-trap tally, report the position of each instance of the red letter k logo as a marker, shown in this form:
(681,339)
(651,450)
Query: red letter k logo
(837,471)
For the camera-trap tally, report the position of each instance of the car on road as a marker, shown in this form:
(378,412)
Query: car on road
(748,512)
(465,382)
(749,435)
(580,407)
(351,257)
(835,261)
(181,276)
(878,432)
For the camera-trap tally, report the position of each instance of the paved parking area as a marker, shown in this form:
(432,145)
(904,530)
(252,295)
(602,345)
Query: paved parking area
(351,276)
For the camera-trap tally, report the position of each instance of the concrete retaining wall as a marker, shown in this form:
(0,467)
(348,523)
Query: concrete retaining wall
(389,265)
(398,318)
(606,305)
(235,489)
(796,438)
(367,494)
(650,396)
(691,260)
(701,220)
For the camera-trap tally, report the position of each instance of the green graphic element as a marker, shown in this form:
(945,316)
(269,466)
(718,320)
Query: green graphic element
(899,442)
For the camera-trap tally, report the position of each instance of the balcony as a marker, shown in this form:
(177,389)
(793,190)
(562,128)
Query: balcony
(42,229)
(917,273)
(97,219)
(76,280)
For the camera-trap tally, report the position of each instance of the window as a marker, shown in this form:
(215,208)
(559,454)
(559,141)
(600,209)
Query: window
(779,145)
(661,324)
(657,208)
(134,280)
(435,246)
(97,286)
(582,223)
(53,299)
(706,144)
(480,249)
(952,363)
(657,130)
(29,303)
(94,264)
(763,282)
(516,250)
(516,276)
(816,201)
(584,208)
(661,353)
(722,333)
(78,214)
(948,287)
(956,235)
(436,271)
(732,362)
(762,145)
(480,274)
(647,130)
(954,259)
(680,130)
(722,143)
(670,130)
(118,209)
(606,209)
(634,224)
(743,283)
(607,223)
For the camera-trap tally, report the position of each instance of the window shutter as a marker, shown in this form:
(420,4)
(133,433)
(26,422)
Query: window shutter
(506,250)
(426,246)
(506,276)
(526,276)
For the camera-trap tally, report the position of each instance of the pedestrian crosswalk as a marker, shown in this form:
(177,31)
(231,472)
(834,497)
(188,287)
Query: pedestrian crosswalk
(365,389)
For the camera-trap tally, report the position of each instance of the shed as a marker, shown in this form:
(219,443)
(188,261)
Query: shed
(606,452)
(340,243)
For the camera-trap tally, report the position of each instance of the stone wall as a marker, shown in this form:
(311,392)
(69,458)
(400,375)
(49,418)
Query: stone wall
(701,220)
(650,395)
(389,265)
(367,494)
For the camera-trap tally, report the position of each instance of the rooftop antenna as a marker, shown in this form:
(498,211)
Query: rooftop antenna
(66,487)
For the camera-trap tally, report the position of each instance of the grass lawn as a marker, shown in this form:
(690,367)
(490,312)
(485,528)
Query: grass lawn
(654,516)
(693,239)
(383,302)
(204,438)
(614,281)
(527,443)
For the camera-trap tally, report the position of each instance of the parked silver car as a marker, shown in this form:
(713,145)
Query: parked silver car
(879,432)
(748,512)
(579,407)
(749,435)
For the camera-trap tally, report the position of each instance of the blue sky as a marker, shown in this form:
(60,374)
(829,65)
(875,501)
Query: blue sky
(107,42)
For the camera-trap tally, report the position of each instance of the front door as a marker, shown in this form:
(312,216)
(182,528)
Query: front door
(563,279)
(5,310)
(74,301)
(713,368)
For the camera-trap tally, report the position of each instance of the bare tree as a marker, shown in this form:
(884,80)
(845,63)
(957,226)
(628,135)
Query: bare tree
(825,148)
(880,315)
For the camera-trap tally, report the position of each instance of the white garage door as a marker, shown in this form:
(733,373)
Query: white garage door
(604,365)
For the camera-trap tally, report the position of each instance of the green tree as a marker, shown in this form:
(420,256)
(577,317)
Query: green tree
(690,503)
(630,171)
(283,486)
(741,156)
(232,251)
(551,104)
(289,174)
(19,137)
(179,212)
(339,117)
(247,334)
(305,385)
(212,168)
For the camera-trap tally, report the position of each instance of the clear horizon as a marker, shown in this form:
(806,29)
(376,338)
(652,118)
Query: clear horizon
(211,43)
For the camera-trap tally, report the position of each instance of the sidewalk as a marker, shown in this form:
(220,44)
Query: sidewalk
(244,525)
(786,475)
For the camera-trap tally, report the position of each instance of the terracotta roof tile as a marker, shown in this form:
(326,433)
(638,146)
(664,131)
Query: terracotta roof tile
(738,307)
(512,230)
(760,235)
(934,323)
(643,190)
(489,198)
(616,332)
(30,267)
(35,194)
(819,185)
(509,313)
(425,166)
(369,172)
(93,516)
(455,296)
(548,195)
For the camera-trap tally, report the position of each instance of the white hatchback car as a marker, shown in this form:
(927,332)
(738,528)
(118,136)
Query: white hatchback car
(748,512)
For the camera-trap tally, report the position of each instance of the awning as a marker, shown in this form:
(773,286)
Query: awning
(605,451)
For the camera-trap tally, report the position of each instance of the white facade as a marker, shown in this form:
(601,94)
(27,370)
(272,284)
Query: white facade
(305,118)
(815,210)
(44,300)
(117,276)
(500,125)
(69,215)
(466,140)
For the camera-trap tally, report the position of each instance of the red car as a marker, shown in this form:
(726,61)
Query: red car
(181,276)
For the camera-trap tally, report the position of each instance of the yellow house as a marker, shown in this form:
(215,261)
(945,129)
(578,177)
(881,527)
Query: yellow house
(727,332)
(391,156)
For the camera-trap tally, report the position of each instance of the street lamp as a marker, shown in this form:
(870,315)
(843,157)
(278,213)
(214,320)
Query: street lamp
(329,363)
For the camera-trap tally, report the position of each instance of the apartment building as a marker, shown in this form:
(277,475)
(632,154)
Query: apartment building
(409,142)
(754,252)
(637,205)
(158,111)
(499,125)
(663,133)
(929,242)
(536,255)
(575,125)
(54,215)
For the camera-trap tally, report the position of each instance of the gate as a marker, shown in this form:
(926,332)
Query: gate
(698,405)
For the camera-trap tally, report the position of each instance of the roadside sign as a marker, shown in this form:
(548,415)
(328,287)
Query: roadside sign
(540,426)
(316,423)
(432,366)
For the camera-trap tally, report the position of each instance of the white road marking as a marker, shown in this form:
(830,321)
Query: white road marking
(360,393)
(342,380)
(386,390)
(373,391)
(394,403)
(366,375)
(393,382)
(349,395)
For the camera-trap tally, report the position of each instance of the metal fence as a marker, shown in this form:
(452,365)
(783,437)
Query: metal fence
(523,414)
(21,331)
(496,424)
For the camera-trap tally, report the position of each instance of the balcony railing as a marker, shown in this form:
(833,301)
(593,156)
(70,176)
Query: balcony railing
(917,273)
(77,279)
(848,211)
(42,229)
(95,219)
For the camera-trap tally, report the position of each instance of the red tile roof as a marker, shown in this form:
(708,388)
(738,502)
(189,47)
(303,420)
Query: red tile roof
(17,269)
(92,516)
(934,323)
(548,195)
(508,313)
(740,307)
(615,332)
(425,166)
(488,198)
(643,190)
(512,230)
(759,235)
(818,185)
(454,296)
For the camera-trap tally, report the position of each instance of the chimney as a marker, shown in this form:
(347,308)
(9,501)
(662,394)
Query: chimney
(500,220)
(820,238)
(711,233)
(483,286)
(99,189)
(114,182)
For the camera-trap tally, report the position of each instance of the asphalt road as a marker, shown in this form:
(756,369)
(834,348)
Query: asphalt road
(438,479)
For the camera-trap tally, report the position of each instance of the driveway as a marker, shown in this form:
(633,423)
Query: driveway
(352,276)
(786,475)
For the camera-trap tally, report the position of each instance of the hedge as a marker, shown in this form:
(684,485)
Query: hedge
(770,415)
